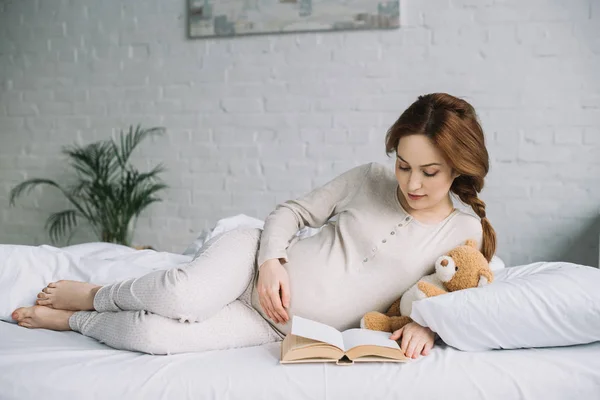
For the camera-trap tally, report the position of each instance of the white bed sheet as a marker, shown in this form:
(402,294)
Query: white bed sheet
(42,364)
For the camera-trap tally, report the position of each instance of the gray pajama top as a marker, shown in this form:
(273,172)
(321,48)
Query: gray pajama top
(365,258)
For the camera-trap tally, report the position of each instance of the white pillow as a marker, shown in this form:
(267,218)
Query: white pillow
(536,305)
(496,263)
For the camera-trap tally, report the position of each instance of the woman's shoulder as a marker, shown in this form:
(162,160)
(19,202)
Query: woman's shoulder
(379,174)
(379,169)
(466,218)
(378,179)
(373,173)
(468,224)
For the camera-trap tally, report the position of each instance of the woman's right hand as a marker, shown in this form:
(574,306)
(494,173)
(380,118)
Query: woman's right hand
(273,278)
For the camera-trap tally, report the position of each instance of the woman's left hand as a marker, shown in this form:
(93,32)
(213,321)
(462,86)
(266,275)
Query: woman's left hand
(416,339)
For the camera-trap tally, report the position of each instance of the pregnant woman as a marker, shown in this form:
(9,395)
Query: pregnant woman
(244,285)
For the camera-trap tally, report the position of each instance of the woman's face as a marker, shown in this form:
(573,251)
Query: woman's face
(423,175)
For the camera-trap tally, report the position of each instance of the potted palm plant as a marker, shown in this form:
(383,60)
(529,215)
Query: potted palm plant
(109,193)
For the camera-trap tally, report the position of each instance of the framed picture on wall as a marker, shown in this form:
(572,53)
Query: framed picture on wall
(210,18)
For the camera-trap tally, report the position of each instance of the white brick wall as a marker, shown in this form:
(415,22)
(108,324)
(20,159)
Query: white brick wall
(253,121)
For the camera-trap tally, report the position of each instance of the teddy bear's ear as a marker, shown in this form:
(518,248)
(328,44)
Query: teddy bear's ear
(485,277)
(472,243)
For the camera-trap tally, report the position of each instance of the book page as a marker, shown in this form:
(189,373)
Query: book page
(360,337)
(301,341)
(316,331)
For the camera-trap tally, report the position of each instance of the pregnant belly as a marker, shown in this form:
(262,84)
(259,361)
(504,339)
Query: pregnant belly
(328,295)
(336,295)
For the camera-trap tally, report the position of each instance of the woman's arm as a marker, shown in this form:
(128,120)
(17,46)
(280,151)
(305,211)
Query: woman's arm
(313,210)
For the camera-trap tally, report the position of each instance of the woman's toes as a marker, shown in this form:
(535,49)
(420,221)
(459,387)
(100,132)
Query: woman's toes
(52,284)
(26,322)
(48,290)
(42,295)
(21,313)
(44,302)
(17,314)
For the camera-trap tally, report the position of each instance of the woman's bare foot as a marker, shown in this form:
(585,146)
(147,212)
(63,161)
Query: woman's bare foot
(68,295)
(43,317)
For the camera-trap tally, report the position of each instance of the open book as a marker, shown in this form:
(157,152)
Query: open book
(311,341)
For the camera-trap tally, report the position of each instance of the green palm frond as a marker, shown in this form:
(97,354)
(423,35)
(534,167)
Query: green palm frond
(143,198)
(131,140)
(95,161)
(79,188)
(28,186)
(109,192)
(139,187)
(61,223)
(153,174)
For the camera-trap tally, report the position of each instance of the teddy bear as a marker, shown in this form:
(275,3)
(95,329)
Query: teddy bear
(461,268)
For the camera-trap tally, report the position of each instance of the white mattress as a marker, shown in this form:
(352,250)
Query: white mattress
(42,364)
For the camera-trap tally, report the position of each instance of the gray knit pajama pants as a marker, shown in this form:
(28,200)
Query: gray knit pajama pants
(204,305)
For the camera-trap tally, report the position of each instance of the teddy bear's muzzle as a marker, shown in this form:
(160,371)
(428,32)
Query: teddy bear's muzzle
(445,268)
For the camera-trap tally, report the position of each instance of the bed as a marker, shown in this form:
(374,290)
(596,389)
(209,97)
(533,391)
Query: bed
(41,364)
(58,365)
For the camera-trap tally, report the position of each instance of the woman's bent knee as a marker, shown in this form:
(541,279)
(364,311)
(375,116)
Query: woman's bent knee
(148,334)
